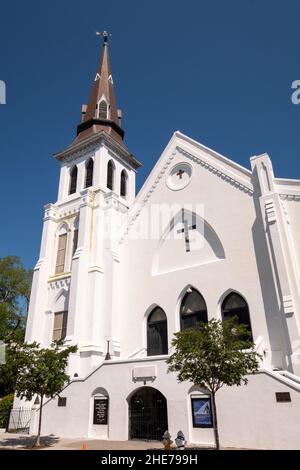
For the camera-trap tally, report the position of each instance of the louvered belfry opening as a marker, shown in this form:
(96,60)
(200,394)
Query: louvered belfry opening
(73,180)
(110,175)
(103,108)
(123,185)
(89,173)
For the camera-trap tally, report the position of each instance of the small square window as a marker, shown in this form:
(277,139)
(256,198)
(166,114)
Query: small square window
(283,397)
(62,401)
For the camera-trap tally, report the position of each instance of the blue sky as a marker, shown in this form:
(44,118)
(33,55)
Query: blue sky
(219,71)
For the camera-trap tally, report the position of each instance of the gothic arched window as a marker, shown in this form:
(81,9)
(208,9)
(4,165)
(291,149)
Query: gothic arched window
(103,110)
(89,169)
(73,180)
(157,334)
(123,183)
(110,175)
(192,310)
(235,306)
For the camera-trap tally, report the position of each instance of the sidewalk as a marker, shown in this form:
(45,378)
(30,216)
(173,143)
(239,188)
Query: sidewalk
(25,441)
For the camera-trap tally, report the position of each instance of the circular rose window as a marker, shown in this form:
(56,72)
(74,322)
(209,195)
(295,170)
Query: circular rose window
(179,176)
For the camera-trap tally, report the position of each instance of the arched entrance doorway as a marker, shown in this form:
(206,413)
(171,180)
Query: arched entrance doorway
(148,416)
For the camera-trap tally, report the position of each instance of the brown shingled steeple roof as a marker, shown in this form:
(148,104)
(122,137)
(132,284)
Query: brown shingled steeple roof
(101,113)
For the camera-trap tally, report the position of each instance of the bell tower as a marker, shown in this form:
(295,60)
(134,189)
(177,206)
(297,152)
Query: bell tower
(74,294)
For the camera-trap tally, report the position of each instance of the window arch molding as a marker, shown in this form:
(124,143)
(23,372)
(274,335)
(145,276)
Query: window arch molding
(62,228)
(61,293)
(192,308)
(233,303)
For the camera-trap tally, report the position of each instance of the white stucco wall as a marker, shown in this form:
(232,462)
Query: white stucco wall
(248,417)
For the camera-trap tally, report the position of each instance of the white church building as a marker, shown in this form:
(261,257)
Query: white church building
(120,273)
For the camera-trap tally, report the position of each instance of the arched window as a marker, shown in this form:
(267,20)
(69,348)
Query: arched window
(103,110)
(110,175)
(100,406)
(89,169)
(235,306)
(123,185)
(157,335)
(61,250)
(73,180)
(192,310)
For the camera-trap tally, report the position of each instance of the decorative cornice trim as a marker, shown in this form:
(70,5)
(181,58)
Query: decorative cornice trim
(289,197)
(216,171)
(59,282)
(59,277)
(75,151)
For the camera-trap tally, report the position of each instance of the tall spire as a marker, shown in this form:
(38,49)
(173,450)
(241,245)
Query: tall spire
(101,113)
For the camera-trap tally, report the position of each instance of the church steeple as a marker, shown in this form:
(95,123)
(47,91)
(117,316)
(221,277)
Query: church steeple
(101,113)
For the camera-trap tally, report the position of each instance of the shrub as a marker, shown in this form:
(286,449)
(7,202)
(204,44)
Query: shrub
(6,404)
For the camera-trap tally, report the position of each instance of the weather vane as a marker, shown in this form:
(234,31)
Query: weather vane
(104,34)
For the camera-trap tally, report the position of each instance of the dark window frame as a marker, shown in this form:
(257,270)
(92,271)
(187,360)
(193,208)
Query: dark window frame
(196,316)
(110,175)
(123,184)
(89,173)
(102,420)
(62,401)
(157,330)
(73,180)
(238,312)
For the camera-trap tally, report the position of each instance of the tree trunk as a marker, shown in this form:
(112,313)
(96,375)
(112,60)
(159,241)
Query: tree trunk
(37,442)
(216,430)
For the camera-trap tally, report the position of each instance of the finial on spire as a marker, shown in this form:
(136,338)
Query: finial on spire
(105,35)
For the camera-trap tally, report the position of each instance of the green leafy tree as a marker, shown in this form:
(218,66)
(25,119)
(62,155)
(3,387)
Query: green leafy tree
(15,284)
(213,355)
(41,372)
